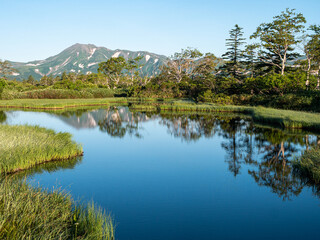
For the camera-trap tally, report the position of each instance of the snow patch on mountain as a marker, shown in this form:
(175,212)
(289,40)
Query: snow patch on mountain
(81,65)
(92,51)
(91,64)
(37,71)
(65,62)
(156,60)
(32,64)
(116,55)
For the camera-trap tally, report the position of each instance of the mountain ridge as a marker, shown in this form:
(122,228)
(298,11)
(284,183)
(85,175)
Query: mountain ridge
(84,58)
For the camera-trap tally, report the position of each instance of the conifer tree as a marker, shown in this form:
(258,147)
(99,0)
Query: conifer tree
(234,53)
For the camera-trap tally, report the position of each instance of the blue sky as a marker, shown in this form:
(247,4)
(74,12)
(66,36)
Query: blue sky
(37,29)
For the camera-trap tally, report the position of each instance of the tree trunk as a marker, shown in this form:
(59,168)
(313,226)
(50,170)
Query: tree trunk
(318,84)
(283,65)
(308,73)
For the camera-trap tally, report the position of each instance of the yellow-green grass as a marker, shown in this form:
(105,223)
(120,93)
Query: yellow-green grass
(58,103)
(22,147)
(287,118)
(32,213)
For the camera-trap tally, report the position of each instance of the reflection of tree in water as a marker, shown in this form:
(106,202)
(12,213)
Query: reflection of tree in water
(274,168)
(3,117)
(118,123)
(266,151)
(189,127)
(233,130)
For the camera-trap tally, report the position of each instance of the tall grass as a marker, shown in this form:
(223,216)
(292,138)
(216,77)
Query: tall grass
(32,213)
(22,147)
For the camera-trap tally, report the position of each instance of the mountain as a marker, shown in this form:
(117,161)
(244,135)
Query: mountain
(84,58)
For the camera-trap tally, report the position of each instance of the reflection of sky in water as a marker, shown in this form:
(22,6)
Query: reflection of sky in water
(160,187)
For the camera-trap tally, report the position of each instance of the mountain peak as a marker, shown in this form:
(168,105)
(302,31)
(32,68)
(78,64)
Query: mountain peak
(85,58)
(82,47)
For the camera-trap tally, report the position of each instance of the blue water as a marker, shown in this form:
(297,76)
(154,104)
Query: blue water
(185,177)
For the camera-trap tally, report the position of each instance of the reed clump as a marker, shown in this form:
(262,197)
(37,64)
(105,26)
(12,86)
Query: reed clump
(23,147)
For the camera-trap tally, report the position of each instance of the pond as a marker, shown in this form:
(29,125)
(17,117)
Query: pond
(183,176)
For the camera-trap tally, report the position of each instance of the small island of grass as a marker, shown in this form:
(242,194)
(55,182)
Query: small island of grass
(23,147)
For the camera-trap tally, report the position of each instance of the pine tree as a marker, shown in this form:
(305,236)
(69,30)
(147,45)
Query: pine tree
(234,53)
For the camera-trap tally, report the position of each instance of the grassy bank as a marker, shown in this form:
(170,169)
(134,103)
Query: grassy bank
(22,147)
(32,213)
(287,118)
(58,103)
(308,165)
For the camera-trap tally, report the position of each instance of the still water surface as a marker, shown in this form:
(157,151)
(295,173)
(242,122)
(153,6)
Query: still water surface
(184,176)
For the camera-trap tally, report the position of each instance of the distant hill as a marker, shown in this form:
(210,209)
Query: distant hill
(84,58)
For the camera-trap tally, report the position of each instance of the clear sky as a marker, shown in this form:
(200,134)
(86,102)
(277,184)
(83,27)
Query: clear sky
(37,29)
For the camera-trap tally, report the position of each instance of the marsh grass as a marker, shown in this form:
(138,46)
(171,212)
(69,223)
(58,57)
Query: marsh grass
(192,107)
(58,103)
(287,118)
(32,213)
(23,147)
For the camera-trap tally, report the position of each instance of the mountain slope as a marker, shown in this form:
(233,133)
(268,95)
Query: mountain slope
(84,58)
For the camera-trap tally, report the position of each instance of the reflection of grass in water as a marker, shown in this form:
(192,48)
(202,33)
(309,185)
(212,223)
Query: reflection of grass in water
(33,213)
(308,165)
(25,146)
(3,117)
(48,167)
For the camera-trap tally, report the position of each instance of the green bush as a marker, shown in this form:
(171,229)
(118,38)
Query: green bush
(50,93)
(2,86)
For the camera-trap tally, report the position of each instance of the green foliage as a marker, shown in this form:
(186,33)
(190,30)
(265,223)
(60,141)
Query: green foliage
(60,93)
(3,84)
(278,38)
